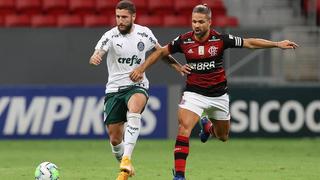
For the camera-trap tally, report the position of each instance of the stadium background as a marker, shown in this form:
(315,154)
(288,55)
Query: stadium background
(48,91)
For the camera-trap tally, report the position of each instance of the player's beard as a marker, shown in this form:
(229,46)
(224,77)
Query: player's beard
(200,34)
(126,30)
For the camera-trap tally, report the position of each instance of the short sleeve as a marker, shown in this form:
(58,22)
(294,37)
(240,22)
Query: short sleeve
(175,45)
(105,42)
(152,40)
(231,41)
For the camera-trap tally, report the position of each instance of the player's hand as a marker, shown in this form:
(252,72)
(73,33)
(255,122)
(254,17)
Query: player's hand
(136,75)
(95,59)
(185,69)
(286,44)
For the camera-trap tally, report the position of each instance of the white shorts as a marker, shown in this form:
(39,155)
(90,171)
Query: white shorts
(216,108)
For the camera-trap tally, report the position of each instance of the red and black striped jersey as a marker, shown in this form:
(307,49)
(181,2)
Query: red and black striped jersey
(206,60)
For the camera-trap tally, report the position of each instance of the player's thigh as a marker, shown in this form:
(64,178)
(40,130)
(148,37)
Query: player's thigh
(187,120)
(218,112)
(218,108)
(221,128)
(193,102)
(136,100)
(187,117)
(221,122)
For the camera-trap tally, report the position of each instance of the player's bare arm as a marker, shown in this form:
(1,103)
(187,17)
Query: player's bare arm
(182,69)
(96,57)
(255,43)
(137,74)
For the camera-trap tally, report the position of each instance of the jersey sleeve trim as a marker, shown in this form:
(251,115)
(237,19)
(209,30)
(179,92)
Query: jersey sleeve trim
(231,41)
(238,42)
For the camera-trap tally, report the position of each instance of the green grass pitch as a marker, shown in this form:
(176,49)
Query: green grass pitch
(238,159)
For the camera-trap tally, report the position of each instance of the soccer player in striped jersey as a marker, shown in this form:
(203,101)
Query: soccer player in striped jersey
(206,86)
(125,46)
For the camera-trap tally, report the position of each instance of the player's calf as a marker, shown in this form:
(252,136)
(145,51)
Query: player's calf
(223,137)
(221,130)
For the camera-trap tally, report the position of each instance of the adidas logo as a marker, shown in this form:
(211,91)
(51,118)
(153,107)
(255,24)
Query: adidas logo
(190,51)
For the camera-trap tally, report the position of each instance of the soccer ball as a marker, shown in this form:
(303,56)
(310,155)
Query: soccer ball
(46,171)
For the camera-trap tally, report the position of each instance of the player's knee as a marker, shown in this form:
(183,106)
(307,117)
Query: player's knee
(115,140)
(223,138)
(137,103)
(184,130)
(134,107)
(135,110)
(222,135)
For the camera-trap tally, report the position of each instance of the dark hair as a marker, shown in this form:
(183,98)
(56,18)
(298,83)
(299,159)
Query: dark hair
(203,9)
(128,5)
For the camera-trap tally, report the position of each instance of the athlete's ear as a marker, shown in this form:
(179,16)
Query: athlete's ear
(133,17)
(210,22)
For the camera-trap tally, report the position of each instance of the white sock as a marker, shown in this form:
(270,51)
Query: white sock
(131,133)
(118,150)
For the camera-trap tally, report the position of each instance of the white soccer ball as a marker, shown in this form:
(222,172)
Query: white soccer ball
(46,171)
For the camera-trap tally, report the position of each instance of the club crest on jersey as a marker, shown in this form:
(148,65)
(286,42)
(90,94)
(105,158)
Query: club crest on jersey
(213,50)
(140,46)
